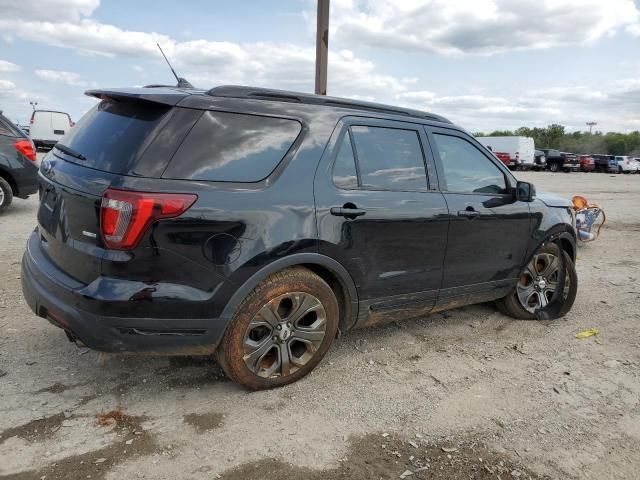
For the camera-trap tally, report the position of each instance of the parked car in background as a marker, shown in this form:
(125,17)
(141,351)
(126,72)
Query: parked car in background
(587,163)
(47,127)
(570,162)
(539,160)
(520,150)
(626,164)
(18,170)
(259,223)
(502,156)
(605,163)
(554,159)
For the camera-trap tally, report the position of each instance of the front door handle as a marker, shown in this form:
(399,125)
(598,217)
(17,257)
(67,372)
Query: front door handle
(469,213)
(347,212)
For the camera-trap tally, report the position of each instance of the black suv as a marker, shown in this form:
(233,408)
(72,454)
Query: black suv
(18,171)
(258,223)
(561,161)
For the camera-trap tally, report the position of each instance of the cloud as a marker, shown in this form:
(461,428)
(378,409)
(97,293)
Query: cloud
(70,78)
(88,36)
(614,105)
(479,26)
(6,66)
(208,63)
(6,85)
(61,10)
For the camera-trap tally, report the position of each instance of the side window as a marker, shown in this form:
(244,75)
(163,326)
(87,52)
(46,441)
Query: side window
(233,147)
(344,168)
(389,158)
(466,169)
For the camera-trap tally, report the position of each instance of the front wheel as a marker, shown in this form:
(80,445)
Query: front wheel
(546,289)
(554,166)
(281,330)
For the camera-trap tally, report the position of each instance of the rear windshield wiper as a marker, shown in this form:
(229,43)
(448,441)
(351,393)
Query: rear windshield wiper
(69,151)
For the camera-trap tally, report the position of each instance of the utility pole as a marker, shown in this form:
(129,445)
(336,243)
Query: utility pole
(322,47)
(591,125)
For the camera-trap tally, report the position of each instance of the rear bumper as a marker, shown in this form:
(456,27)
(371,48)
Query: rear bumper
(26,189)
(44,143)
(571,166)
(52,295)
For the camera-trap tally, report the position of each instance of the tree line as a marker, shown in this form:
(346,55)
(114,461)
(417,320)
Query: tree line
(555,136)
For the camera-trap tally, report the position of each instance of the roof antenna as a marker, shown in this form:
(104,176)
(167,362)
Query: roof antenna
(182,83)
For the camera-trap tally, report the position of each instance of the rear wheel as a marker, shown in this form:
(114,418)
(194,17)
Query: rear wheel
(546,288)
(281,330)
(6,195)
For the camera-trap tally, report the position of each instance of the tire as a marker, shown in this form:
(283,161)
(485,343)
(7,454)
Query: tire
(6,195)
(260,338)
(619,169)
(512,305)
(554,167)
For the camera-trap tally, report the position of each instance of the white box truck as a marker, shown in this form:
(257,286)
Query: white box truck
(47,127)
(521,150)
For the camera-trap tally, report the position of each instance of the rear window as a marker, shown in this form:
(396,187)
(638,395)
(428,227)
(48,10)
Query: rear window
(233,147)
(112,135)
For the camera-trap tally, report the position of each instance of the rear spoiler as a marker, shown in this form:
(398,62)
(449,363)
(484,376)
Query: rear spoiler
(163,95)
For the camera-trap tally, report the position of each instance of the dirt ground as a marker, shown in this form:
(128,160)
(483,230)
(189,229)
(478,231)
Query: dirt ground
(467,393)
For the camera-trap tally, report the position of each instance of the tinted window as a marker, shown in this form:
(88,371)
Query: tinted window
(466,169)
(112,135)
(344,168)
(233,147)
(389,158)
(7,128)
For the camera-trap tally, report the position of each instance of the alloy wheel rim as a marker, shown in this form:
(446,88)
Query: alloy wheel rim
(284,335)
(1,197)
(538,282)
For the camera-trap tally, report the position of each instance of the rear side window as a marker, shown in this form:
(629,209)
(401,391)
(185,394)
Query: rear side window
(233,147)
(113,134)
(389,158)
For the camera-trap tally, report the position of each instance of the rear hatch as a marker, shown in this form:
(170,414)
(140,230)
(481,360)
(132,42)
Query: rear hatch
(121,136)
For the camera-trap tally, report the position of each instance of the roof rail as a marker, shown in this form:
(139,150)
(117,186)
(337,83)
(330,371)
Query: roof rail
(238,91)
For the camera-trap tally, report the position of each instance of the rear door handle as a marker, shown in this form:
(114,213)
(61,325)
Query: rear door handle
(470,213)
(347,212)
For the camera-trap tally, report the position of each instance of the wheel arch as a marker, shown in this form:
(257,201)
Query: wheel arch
(563,235)
(325,267)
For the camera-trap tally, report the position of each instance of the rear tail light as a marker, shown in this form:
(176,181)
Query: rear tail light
(26,148)
(125,215)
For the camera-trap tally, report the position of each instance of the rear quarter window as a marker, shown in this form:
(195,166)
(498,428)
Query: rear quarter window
(233,147)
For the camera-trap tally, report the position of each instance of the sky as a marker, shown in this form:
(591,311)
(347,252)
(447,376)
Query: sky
(484,64)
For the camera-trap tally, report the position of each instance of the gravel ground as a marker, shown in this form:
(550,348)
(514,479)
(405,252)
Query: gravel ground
(467,393)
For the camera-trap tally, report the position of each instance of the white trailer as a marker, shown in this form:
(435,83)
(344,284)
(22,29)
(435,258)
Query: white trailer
(521,150)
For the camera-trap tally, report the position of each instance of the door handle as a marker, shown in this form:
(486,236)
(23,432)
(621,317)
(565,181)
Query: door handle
(469,213)
(347,212)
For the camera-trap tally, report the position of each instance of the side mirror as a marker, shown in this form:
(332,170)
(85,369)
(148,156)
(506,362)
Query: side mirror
(525,191)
